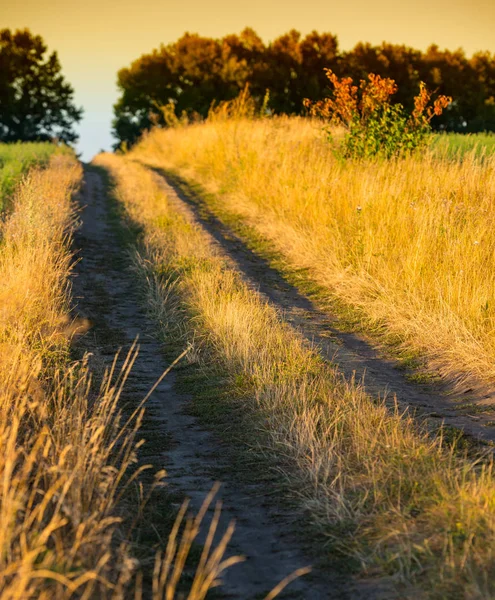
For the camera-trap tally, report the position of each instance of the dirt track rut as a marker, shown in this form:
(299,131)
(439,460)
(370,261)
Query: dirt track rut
(106,293)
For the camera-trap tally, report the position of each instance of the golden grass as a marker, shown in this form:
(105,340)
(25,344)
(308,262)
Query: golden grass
(59,475)
(169,567)
(407,243)
(68,455)
(377,485)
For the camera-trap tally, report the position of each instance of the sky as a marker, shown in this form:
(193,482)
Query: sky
(95,38)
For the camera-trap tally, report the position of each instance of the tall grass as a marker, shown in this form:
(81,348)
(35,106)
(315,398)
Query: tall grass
(59,474)
(372,481)
(17,159)
(68,453)
(408,243)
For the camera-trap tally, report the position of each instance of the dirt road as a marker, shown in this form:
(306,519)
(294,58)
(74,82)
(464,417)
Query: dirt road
(107,294)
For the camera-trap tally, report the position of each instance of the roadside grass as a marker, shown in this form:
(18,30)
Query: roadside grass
(371,481)
(60,472)
(17,159)
(72,490)
(407,243)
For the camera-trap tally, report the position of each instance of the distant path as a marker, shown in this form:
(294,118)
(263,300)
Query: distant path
(352,353)
(106,293)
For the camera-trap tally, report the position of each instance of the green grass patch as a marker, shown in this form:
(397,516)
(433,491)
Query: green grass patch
(457,145)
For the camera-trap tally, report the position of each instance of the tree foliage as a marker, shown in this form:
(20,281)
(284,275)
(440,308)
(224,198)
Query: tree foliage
(196,71)
(36,103)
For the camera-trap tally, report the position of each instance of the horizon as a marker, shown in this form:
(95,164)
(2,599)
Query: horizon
(137,30)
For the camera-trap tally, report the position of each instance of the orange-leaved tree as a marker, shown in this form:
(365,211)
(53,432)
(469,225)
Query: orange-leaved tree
(375,126)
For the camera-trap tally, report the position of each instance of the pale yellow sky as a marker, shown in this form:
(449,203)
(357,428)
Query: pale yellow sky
(96,38)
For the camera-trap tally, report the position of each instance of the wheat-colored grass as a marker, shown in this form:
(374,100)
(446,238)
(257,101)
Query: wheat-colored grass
(379,487)
(68,455)
(59,475)
(409,244)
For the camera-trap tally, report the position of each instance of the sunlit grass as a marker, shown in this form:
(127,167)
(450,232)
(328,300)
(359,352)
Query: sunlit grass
(372,481)
(409,244)
(68,452)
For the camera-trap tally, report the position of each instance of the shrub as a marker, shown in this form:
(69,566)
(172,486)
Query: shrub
(375,126)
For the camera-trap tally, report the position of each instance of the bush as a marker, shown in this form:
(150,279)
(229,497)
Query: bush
(375,126)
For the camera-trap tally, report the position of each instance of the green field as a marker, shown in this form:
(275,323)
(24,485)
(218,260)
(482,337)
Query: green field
(455,145)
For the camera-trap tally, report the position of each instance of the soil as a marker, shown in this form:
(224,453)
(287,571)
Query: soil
(107,294)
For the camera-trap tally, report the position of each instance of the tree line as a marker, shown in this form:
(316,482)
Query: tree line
(195,71)
(191,74)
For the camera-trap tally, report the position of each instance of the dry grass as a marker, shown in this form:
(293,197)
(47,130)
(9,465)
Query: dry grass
(408,243)
(68,457)
(59,475)
(170,566)
(379,487)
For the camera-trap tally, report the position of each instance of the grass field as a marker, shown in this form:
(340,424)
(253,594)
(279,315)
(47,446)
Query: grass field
(61,477)
(407,245)
(17,159)
(372,482)
(457,145)
(404,246)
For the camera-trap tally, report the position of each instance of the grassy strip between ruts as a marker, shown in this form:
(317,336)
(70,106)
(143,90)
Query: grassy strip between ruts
(373,482)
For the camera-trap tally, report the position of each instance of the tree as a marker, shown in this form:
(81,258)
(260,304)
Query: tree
(319,51)
(36,103)
(194,72)
(150,82)
(483,93)
(191,74)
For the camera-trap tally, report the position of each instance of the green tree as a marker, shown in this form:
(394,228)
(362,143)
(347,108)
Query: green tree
(36,103)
